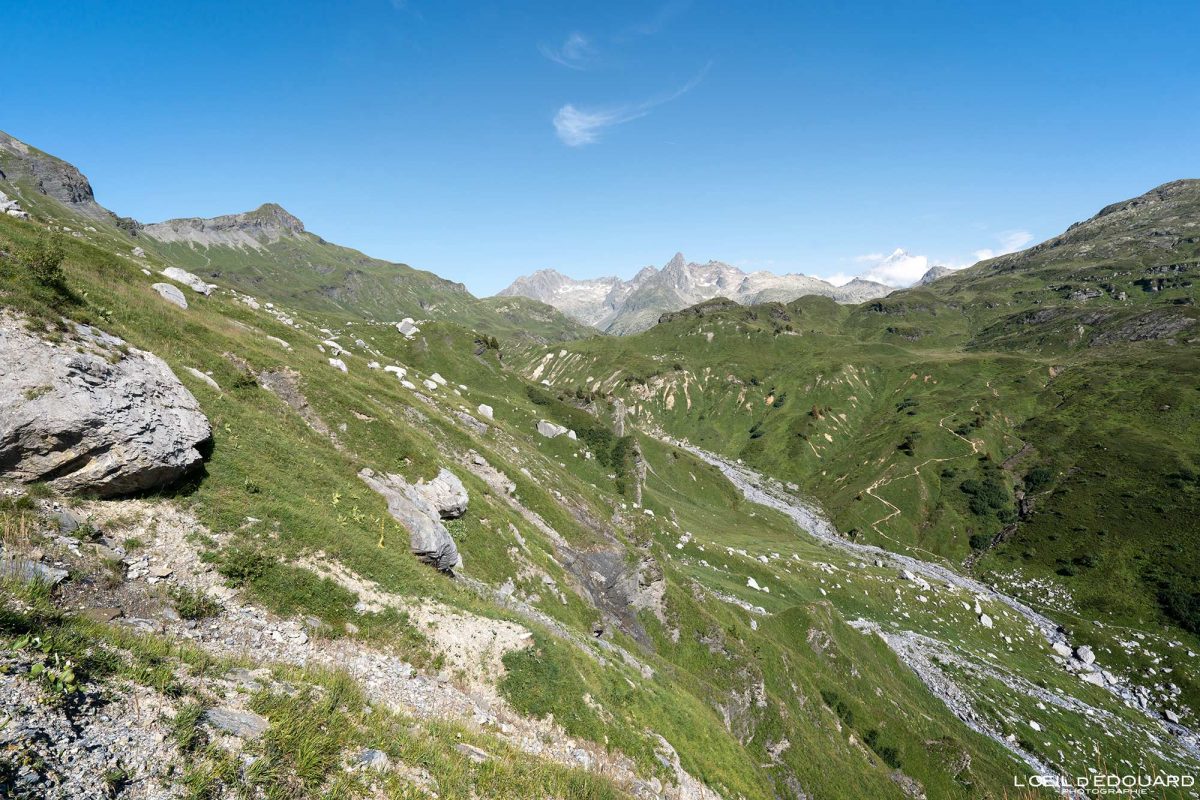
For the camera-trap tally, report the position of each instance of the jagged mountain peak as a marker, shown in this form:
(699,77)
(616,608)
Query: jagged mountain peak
(626,306)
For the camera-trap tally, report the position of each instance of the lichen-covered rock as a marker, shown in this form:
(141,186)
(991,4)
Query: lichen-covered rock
(428,538)
(93,415)
(446,493)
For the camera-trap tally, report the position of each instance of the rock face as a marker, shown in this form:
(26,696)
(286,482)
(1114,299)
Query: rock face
(446,493)
(619,306)
(87,415)
(428,538)
(30,168)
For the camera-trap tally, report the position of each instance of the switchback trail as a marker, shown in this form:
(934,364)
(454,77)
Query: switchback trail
(771,493)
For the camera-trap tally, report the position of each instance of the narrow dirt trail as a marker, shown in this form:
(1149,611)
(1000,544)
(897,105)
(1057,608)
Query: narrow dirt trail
(916,473)
(771,493)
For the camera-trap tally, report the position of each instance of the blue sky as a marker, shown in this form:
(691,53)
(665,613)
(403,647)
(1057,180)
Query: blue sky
(486,140)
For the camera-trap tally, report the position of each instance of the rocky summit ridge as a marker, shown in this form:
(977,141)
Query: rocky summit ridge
(266,224)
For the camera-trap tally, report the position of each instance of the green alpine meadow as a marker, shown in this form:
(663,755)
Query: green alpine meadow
(282,520)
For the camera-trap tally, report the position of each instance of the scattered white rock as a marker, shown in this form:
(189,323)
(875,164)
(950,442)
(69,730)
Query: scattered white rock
(170,292)
(202,376)
(446,493)
(549,429)
(189,280)
(407,327)
(486,411)
(337,363)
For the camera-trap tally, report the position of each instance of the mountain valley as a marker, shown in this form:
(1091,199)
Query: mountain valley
(334,527)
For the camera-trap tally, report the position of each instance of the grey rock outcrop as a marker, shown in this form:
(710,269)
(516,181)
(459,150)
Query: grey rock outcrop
(170,292)
(428,538)
(11,207)
(445,493)
(193,282)
(549,429)
(244,724)
(91,414)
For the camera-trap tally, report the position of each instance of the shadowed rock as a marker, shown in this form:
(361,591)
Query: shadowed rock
(92,414)
(428,538)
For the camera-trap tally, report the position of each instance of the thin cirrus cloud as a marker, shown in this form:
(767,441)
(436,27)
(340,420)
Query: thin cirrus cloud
(577,127)
(576,52)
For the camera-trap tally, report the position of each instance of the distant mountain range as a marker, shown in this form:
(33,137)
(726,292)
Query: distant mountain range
(619,306)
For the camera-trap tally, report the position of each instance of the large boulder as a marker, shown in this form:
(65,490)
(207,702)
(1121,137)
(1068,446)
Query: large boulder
(446,493)
(171,293)
(550,429)
(193,282)
(428,538)
(91,414)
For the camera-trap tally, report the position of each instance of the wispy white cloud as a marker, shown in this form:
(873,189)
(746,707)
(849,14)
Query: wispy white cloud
(898,269)
(576,126)
(576,52)
(665,13)
(1010,242)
